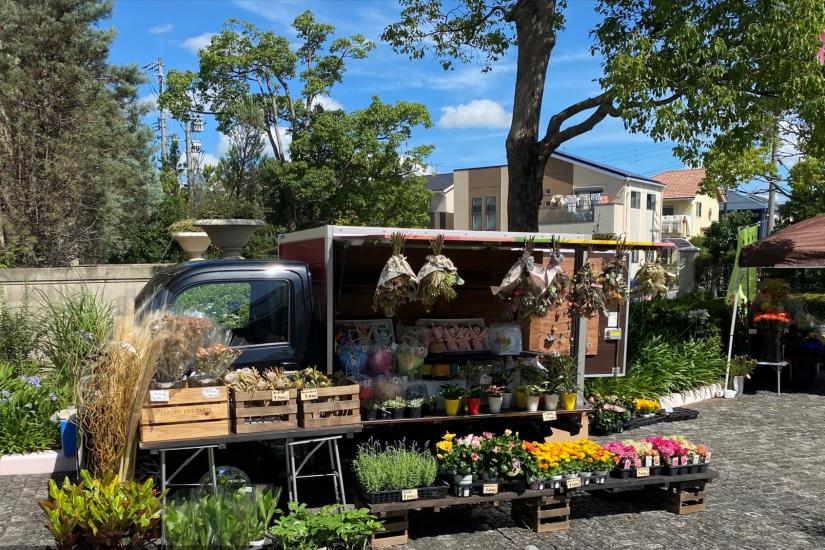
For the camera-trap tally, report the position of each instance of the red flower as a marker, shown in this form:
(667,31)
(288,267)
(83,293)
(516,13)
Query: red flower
(474,456)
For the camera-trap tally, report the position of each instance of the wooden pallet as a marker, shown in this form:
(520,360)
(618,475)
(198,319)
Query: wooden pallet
(263,411)
(544,514)
(322,407)
(685,498)
(185,413)
(396,525)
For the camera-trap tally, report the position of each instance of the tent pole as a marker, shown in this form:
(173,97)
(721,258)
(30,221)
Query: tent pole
(732,325)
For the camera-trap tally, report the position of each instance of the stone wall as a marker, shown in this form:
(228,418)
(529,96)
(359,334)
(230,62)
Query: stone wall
(119,283)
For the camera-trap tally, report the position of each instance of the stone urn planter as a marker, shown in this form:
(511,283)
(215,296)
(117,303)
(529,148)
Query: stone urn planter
(194,243)
(230,235)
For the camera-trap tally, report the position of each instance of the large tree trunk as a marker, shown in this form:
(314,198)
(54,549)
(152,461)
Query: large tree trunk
(526,158)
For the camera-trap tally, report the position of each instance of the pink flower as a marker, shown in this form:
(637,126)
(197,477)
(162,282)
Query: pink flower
(474,456)
(510,445)
(496,449)
(476,442)
(487,435)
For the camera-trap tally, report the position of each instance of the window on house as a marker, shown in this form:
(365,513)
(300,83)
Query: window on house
(476,213)
(635,199)
(667,211)
(698,209)
(651,201)
(634,256)
(491,213)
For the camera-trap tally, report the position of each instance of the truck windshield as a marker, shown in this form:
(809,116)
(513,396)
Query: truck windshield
(257,311)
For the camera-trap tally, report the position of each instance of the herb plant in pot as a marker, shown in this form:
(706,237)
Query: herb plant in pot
(567,371)
(414,407)
(396,406)
(741,367)
(495,398)
(452,398)
(192,239)
(520,396)
(472,400)
(533,393)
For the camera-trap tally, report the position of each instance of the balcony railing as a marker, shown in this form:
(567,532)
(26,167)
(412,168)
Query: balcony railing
(676,226)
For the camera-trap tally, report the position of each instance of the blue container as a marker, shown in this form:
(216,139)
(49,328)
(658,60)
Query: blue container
(68,437)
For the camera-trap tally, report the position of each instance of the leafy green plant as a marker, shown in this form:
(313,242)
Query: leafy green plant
(20,330)
(102,513)
(185,226)
(474,391)
(742,365)
(451,391)
(332,526)
(562,373)
(395,403)
(229,519)
(393,466)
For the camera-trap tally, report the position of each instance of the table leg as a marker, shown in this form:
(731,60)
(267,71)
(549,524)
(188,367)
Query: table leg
(211,454)
(778,380)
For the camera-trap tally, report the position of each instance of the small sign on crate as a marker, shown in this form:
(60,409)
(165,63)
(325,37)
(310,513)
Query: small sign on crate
(489,489)
(409,494)
(264,411)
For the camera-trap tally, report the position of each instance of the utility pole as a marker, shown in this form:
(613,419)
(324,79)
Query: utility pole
(190,179)
(161,114)
(772,183)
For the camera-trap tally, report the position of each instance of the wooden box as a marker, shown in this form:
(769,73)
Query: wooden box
(263,411)
(322,407)
(186,413)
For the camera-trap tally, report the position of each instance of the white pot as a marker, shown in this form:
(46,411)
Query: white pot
(507,400)
(463,480)
(495,404)
(739,384)
(230,235)
(551,401)
(532,403)
(257,543)
(194,243)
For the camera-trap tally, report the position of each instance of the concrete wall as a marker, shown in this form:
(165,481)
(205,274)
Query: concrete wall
(119,283)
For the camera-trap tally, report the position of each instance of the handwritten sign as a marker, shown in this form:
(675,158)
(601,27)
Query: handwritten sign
(280,395)
(642,472)
(707,456)
(573,483)
(210,393)
(158,395)
(409,494)
(489,489)
(648,461)
(656,460)
(675,462)
(309,395)
(548,416)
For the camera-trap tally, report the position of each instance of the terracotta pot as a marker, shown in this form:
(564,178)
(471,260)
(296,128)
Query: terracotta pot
(452,406)
(473,405)
(568,400)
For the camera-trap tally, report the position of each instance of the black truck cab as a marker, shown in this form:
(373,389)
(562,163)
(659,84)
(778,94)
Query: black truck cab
(267,305)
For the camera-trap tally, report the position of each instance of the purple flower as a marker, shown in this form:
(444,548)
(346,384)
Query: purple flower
(5,394)
(53,397)
(32,381)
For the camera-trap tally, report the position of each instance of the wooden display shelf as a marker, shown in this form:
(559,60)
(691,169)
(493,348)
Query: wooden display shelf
(469,418)
(229,438)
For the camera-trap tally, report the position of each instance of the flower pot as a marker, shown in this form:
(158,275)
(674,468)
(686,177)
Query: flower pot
(68,437)
(507,400)
(230,235)
(257,543)
(473,405)
(587,477)
(600,477)
(551,401)
(739,384)
(568,400)
(537,485)
(398,413)
(521,399)
(202,382)
(555,482)
(382,414)
(193,243)
(369,414)
(532,403)
(414,412)
(495,404)
(452,406)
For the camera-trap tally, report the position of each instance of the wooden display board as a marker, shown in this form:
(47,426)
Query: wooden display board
(322,407)
(185,413)
(264,411)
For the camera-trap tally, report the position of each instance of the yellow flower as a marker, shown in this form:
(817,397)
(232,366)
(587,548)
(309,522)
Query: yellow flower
(508,432)
(448,436)
(444,445)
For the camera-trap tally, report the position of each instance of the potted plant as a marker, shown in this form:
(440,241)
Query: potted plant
(741,367)
(459,459)
(377,467)
(472,400)
(533,393)
(414,407)
(452,398)
(551,398)
(520,396)
(495,398)
(229,222)
(646,408)
(192,239)
(396,406)
(502,377)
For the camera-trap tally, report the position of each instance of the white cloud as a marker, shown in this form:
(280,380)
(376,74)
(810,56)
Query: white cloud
(282,12)
(208,159)
(327,103)
(564,58)
(197,43)
(150,101)
(223,144)
(286,139)
(161,29)
(479,113)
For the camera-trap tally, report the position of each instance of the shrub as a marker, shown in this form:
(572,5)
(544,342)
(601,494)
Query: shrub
(27,404)
(185,226)
(102,513)
(20,331)
(393,467)
(332,526)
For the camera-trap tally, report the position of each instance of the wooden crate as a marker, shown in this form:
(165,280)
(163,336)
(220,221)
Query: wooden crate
(322,407)
(263,411)
(185,413)
(543,514)
(396,525)
(685,498)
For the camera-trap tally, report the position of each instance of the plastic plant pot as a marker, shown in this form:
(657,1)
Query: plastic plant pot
(532,403)
(495,404)
(398,413)
(414,412)
(520,399)
(568,400)
(451,406)
(473,405)
(68,437)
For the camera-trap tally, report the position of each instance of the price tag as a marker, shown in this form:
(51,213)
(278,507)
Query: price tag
(158,395)
(210,393)
(626,463)
(309,395)
(656,460)
(648,461)
(675,462)
(642,472)
(547,416)
(409,494)
(684,460)
(282,395)
(248,489)
(696,459)
(489,489)
(485,380)
(707,456)
(573,483)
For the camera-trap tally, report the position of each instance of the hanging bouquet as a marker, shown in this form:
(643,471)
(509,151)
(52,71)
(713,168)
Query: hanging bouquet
(652,281)
(586,295)
(525,287)
(612,277)
(397,284)
(437,276)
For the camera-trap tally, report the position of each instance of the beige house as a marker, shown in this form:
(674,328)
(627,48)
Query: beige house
(685,211)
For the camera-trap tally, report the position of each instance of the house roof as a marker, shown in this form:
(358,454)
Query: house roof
(438,183)
(738,200)
(681,184)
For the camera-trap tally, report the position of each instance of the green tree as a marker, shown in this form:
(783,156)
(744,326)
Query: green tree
(340,167)
(717,250)
(75,159)
(709,74)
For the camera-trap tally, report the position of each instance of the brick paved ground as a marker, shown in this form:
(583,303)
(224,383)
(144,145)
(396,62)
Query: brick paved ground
(771,493)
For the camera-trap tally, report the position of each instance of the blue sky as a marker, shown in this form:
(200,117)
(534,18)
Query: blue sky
(470,110)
